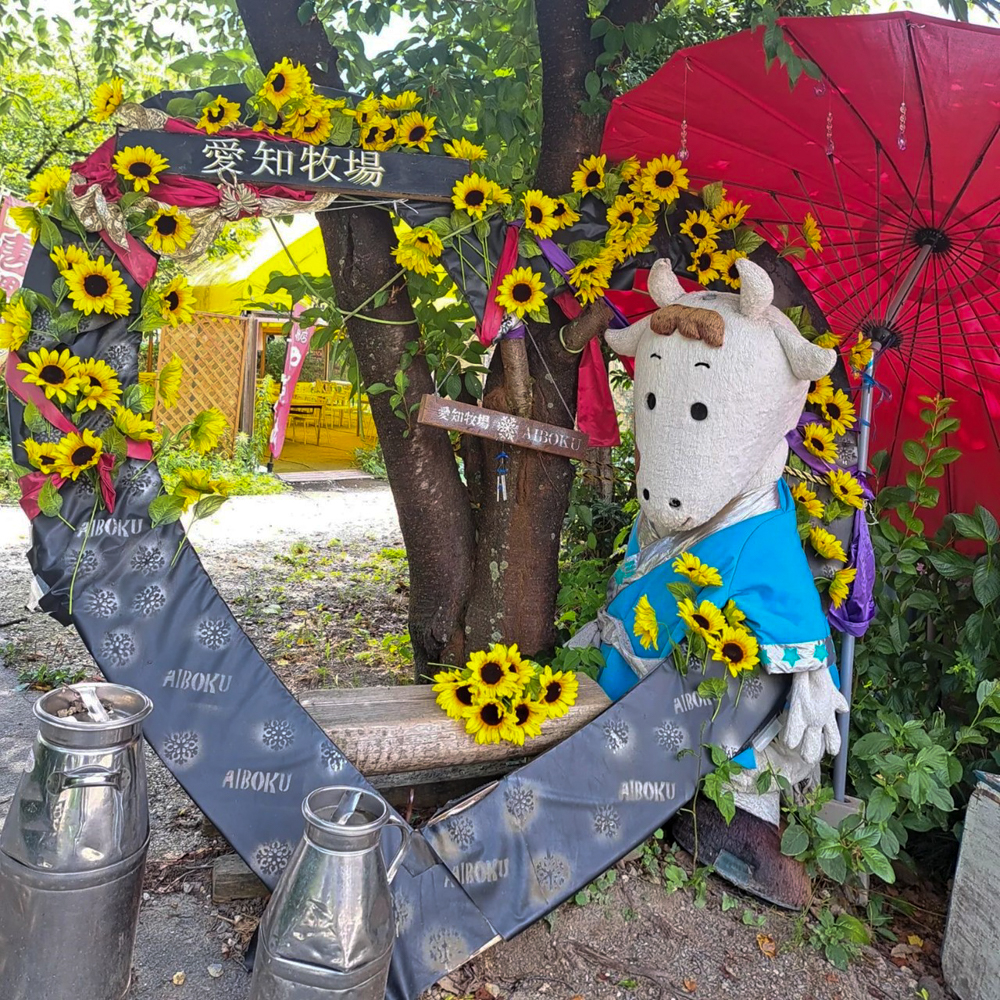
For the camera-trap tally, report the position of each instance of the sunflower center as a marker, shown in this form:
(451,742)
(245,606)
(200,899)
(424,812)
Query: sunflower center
(279,83)
(53,374)
(372,134)
(728,219)
(833,411)
(521,292)
(490,714)
(417,133)
(166,225)
(46,460)
(664,179)
(95,383)
(627,217)
(698,232)
(812,388)
(522,714)
(701,621)
(172,300)
(140,169)
(492,673)
(553,692)
(536,214)
(588,269)
(475,198)
(424,240)
(559,211)
(733,652)
(464,695)
(734,274)
(83,454)
(593,178)
(704,262)
(390,134)
(95,285)
(216,115)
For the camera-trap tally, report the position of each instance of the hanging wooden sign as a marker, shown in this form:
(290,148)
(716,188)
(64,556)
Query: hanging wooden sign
(316,168)
(503,427)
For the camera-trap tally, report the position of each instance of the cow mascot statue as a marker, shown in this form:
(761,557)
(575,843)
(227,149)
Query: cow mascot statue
(720,379)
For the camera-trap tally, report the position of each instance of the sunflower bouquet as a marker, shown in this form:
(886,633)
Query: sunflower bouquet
(502,696)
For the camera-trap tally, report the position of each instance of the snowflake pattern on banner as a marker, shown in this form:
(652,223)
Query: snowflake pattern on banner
(214,633)
(402,911)
(147,559)
(121,357)
(118,647)
(462,832)
(551,872)
(277,734)
(616,735)
(273,858)
(506,428)
(444,947)
(181,748)
(101,603)
(137,483)
(89,562)
(149,600)
(332,757)
(753,688)
(519,802)
(606,821)
(669,736)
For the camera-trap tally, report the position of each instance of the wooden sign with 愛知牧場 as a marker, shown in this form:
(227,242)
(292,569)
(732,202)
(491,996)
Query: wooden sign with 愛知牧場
(502,427)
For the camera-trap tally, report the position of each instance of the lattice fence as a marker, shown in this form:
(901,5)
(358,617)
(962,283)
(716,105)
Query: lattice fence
(213,349)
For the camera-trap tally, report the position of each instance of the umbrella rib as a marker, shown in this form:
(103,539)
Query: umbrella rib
(975,211)
(927,128)
(972,173)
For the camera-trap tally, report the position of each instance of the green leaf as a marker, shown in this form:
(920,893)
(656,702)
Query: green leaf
(182,107)
(441,226)
(34,420)
(208,505)
(952,565)
(49,236)
(377,387)
(114,443)
(991,531)
(881,806)
(712,688)
(834,867)
(711,195)
(527,247)
(592,84)
(747,240)
(306,12)
(914,453)
(871,745)
(968,526)
(49,500)
(836,955)
(878,864)
(986,581)
(166,509)
(794,841)
(681,591)
(541,314)
(340,134)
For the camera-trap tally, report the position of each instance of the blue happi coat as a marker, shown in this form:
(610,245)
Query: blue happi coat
(764,571)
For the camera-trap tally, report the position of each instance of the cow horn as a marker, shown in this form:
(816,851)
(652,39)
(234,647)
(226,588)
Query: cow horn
(756,289)
(663,284)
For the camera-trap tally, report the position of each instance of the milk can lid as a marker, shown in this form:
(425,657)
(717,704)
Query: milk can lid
(92,715)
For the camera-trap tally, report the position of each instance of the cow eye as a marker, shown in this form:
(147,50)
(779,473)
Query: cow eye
(699,411)
(650,400)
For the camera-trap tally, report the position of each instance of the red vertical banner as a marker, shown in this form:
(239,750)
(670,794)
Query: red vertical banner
(295,355)
(15,247)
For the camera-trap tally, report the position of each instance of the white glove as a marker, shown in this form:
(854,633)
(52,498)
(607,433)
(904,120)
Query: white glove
(812,715)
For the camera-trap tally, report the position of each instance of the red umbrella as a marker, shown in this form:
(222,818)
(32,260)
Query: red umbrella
(895,152)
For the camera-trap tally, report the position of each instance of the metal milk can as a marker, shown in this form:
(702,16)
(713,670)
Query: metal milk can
(329,930)
(73,849)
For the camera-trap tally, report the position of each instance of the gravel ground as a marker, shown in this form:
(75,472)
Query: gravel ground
(318,579)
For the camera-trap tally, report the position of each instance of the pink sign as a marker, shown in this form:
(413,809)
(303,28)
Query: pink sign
(15,247)
(295,355)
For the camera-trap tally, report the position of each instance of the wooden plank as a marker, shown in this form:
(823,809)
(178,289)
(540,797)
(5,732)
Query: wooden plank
(231,879)
(343,169)
(503,427)
(402,729)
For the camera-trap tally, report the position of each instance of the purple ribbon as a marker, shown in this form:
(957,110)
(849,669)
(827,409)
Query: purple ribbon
(563,263)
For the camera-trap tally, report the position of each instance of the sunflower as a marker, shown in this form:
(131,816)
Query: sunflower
(96,287)
(826,545)
(416,130)
(846,488)
(558,691)
(490,722)
(107,98)
(41,454)
(729,214)
(646,628)
(538,212)
(170,230)
(499,194)
(15,325)
(699,573)
(563,214)
(48,183)
(134,425)
(169,381)
(418,250)
(373,132)
(463,149)
(286,81)
(839,412)
(736,648)
(623,213)
(664,178)
(590,278)
(811,234)
(840,585)
(314,126)
(861,353)
(589,176)
(196,483)
(625,243)
(820,391)
(705,263)
(704,619)
(473,194)
(819,439)
(406,101)
(521,292)
(700,227)
(490,674)
(66,255)
(727,267)
(27,220)
(518,667)
(629,169)
(367,108)
(388,134)
(218,115)
(829,339)
(527,718)
(77,452)
(733,615)
(808,500)
(206,430)
(455,694)
(99,385)
(140,165)
(177,301)
(54,372)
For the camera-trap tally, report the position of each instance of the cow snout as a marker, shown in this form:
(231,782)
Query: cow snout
(675,503)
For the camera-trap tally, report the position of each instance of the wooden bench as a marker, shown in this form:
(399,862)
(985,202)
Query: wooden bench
(417,757)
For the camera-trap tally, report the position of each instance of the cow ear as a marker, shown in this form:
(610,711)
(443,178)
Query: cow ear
(663,284)
(807,361)
(756,288)
(626,341)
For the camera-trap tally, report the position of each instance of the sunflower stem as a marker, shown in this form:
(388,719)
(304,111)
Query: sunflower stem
(739,693)
(83,546)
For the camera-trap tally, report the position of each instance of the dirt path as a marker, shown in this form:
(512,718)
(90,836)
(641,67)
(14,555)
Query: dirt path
(319,582)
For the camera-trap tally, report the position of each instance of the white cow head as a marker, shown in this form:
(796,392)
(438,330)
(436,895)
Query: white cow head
(720,379)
